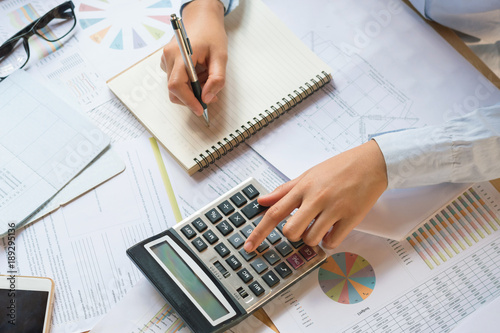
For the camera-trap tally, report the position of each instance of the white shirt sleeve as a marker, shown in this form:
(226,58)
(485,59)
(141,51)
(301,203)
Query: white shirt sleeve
(462,150)
(479,20)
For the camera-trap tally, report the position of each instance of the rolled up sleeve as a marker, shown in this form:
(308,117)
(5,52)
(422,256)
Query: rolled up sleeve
(462,150)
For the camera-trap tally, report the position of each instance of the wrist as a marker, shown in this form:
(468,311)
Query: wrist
(202,6)
(379,167)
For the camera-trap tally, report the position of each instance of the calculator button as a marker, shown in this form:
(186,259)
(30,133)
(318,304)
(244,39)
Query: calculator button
(280,226)
(297,244)
(246,230)
(257,220)
(199,224)
(225,228)
(236,240)
(259,265)
(188,232)
(253,209)
(226,207)
(270,278)
(245,275)
(273,237)
(283,270)
(271,257)
(247,256)
(213,215)
(307,252)
(250,191)
(295,261)
(237,219)
(233,262)
(238,199)
(210,236)
(256,288)
(262,247)
(284,248)
(199,244)
(222,250)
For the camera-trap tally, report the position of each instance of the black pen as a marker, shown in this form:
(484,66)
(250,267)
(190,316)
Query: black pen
(187,51)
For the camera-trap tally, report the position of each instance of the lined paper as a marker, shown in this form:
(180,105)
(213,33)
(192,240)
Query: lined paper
(267,64)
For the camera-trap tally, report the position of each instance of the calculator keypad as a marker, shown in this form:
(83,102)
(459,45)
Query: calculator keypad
(233,262)
(238,199)
(217,235)
(199,224)
(245,275)
(237,220)
(253,209)
(236,240)
(213,215)
(199,244)
(225,228)
(226,208)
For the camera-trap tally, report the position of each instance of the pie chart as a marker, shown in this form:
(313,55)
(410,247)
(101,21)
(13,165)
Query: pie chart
(346,278)
(124,24)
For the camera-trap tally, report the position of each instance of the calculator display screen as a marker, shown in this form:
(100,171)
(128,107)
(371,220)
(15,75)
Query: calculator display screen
(191,282)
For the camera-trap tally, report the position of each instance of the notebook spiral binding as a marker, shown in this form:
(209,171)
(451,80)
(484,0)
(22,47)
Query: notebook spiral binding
(240,135)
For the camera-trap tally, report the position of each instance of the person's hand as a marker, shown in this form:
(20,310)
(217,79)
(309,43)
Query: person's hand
(337,194)
(204,23)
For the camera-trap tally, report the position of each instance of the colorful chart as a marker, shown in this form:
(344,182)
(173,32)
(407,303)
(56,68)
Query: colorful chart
(125,25)
(347,278)
(459,225)
(23,16)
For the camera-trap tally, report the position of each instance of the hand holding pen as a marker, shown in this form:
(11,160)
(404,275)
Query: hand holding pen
(204,21)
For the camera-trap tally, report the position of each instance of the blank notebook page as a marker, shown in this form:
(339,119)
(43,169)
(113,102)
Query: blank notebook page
(266,64)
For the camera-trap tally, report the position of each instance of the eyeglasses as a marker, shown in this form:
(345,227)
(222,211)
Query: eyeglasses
(53,26)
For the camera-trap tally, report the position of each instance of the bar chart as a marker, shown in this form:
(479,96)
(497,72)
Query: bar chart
(460,224)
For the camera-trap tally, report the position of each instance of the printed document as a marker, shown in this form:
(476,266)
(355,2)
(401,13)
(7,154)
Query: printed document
(44,144)
(82,245)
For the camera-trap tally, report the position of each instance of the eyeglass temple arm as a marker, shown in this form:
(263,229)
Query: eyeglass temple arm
(65,10)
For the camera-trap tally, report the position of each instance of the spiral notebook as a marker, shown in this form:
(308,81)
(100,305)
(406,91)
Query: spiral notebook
(269,71)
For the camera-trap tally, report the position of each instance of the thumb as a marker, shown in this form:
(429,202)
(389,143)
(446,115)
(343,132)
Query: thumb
(216,77)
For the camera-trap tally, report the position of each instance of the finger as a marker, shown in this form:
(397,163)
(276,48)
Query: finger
(174,99)
(278,193)
(180,87)
(298,222)
(274,215)
(216,76)
(319,228)
(339,232)
(170,54)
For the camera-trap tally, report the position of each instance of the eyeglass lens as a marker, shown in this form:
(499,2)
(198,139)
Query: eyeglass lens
(57,27)
(14,59)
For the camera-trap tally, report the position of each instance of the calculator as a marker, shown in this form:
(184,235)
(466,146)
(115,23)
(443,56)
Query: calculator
(203,272)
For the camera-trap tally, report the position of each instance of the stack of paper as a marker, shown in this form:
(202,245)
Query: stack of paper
(44,144)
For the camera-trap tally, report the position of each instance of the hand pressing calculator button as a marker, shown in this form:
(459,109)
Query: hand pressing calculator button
(202,270)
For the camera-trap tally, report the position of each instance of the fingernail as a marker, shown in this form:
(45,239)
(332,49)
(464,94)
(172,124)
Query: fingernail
(248,246)
(209,97)
(197,112)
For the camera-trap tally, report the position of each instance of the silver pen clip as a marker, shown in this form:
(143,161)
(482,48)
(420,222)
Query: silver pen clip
(185,38)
